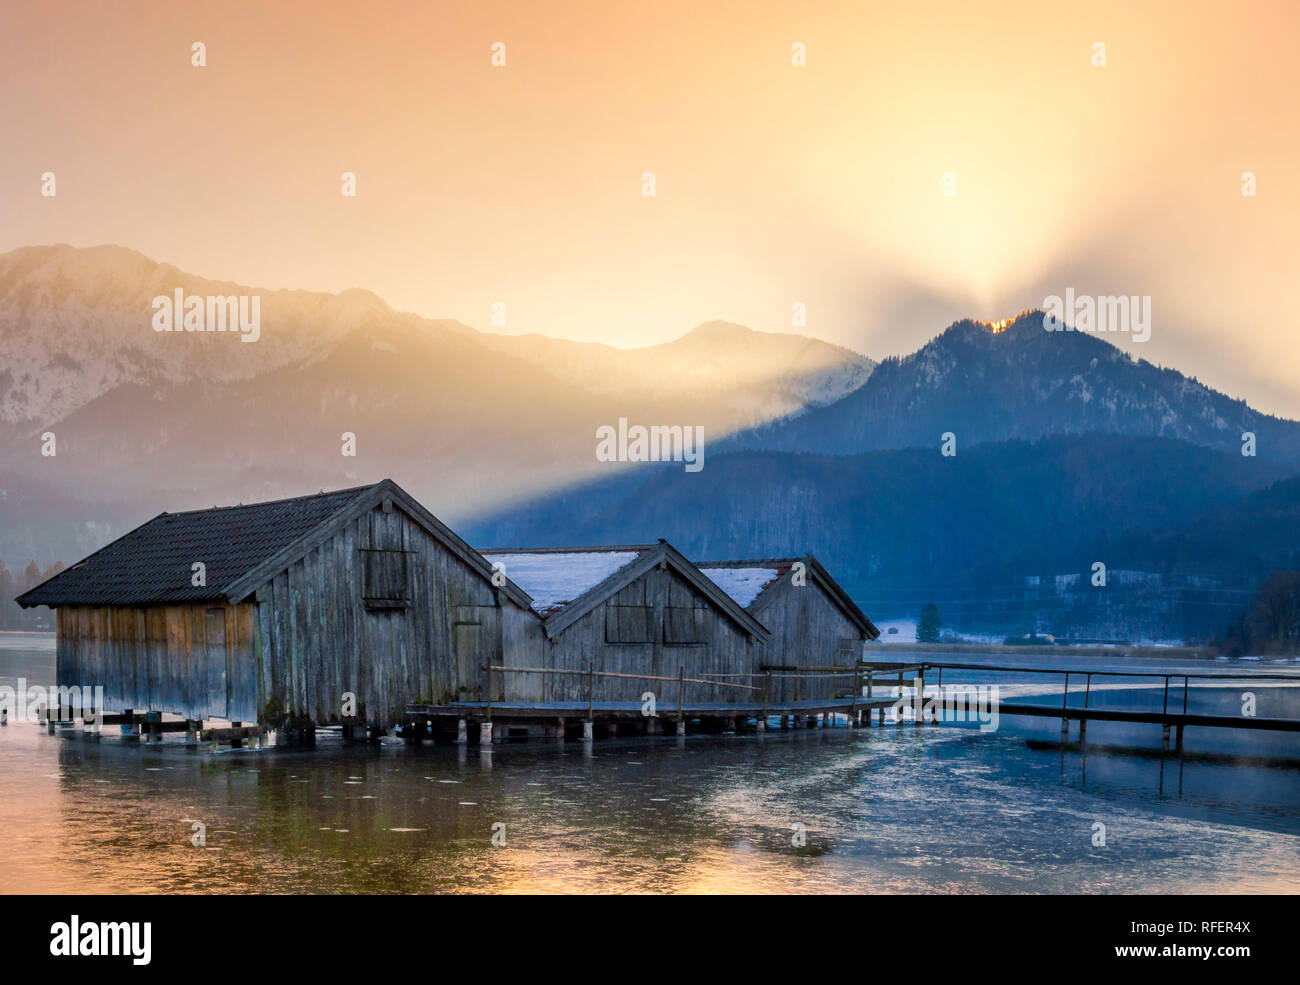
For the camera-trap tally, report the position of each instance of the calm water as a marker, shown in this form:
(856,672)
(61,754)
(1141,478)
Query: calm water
(935,809)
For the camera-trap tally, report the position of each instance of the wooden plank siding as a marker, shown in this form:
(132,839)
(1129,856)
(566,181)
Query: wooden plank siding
(660,596)
(320,636)
(162,658)
(307,636)
(808,630)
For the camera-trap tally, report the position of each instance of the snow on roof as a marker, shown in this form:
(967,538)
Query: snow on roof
(742,584)
(556,579)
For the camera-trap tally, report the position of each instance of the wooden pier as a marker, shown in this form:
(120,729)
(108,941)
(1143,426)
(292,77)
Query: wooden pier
(868,692)
(1170,721)
(150,726)
(501,720)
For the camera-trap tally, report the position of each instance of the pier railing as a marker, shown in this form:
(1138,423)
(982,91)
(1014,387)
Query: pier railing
(591,674)
(767,674)
(1165,717)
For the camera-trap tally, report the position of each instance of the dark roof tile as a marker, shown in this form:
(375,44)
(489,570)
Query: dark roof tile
(152,565)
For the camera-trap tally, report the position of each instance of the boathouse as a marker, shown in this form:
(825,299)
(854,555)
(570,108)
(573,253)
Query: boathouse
(282,610)
(815,626)
(634,610)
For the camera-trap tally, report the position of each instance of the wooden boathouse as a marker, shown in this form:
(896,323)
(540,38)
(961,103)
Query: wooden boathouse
(360,608)
(639,610)
(618,624)
(816,628)
(341,607)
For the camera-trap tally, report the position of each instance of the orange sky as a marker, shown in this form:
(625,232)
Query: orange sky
(775,184)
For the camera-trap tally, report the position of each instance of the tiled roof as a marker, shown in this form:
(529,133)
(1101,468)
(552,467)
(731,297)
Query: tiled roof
(152,564)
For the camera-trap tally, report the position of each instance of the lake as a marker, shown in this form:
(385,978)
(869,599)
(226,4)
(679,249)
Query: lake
(881,810)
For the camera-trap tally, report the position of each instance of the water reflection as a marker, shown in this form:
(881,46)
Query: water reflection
(880,810)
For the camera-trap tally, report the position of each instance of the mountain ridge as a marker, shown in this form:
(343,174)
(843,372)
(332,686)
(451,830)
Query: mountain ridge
(1022,383)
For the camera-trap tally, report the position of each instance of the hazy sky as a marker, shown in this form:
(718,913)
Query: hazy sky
(774,183)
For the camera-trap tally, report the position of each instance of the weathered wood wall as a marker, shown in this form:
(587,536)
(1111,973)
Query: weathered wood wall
(193,660)
(808,630)
(317,639)
(660,607)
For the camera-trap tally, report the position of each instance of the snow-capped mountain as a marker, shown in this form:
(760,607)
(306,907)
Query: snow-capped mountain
(76,323)
(463,418)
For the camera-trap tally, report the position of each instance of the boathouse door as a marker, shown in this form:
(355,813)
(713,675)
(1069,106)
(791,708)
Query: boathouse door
(469,672)
(215,638)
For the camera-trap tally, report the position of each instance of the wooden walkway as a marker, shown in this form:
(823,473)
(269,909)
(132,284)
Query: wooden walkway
(1175,721)
(1172,718)
(633,709)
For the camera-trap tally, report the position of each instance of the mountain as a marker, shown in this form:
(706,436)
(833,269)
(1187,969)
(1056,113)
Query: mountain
(76,325)
(148,420)
(1022,383)
(1068,450)
(760,376)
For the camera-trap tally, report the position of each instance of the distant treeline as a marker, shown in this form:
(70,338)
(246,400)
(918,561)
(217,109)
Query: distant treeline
(993,535)
(1271,623)
(11,586)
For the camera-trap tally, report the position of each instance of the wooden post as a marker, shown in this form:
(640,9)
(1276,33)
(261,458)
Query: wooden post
(681,683)
(920,695)
(857,693)
(488,712)
(591,693)
(1065,698)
